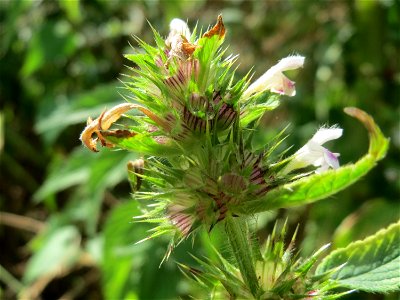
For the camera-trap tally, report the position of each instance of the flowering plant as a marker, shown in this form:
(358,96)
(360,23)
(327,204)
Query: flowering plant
(199,169)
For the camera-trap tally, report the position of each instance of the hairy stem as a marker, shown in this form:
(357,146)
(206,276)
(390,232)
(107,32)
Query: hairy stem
(239,240)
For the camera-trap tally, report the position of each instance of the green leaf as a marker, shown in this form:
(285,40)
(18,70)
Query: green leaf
(257,111)
(131,271)
(72,9)
(84,206)
(105,169)
(122,258)
(316,187)
(165,277)
(76,110)
(60,250)
(50,44)
(65,174)
(124,262)
(371,265)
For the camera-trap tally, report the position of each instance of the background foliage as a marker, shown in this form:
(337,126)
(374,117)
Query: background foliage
(66,213)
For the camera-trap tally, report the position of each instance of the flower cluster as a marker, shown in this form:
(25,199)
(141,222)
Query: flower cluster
(194,131)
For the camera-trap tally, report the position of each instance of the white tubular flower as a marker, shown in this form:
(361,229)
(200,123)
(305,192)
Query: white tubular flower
(274,80)
(178,33)
(314,154)
(179,27)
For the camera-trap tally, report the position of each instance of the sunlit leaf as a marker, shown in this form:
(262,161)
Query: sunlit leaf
(371,265)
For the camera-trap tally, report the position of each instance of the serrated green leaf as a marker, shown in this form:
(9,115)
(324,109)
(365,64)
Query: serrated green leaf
(372,265)
(316,187)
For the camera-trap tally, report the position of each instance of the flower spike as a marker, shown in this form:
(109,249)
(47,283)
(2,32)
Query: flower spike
(199,167)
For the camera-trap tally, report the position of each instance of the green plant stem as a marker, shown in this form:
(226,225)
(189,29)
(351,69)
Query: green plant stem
(239,240)
(10,280)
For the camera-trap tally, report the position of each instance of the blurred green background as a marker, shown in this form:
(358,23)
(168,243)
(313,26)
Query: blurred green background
(66,226)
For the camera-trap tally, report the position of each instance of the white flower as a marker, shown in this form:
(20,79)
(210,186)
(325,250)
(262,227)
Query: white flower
(314,154)
(178,34)
(274,80)
(179,27)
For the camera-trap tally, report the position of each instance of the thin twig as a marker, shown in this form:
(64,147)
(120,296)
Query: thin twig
(91,277)
(110,199)
(36,288)
(10,280)
(21,222)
